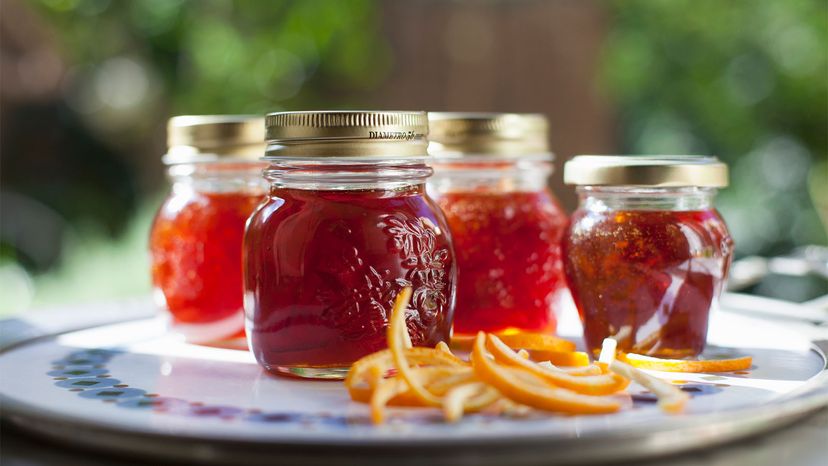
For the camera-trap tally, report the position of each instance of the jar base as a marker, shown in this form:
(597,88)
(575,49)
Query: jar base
(324,373)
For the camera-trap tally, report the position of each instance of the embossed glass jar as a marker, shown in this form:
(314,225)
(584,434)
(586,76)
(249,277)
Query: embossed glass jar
(195,242)
(490,179)
(347,224)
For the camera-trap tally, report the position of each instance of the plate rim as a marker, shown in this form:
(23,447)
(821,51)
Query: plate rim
(634,442)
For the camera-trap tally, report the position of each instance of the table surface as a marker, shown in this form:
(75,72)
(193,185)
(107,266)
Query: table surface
(804,443)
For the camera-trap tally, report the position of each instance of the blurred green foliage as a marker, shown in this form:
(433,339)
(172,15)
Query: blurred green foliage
(746,80)
(233,56)
(131,65)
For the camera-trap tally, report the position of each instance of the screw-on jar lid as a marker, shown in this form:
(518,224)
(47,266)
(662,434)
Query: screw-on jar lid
(499,134)
(646,170)
(353,134)
(204,138)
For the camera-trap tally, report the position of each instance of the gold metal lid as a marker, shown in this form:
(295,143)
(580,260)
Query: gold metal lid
(199,138)
(354,134)
(646,170)
(505,134)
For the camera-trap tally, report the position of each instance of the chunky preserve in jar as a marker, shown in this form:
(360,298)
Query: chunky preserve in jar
(646,253)
(491,173)
(196,238)
(347,224)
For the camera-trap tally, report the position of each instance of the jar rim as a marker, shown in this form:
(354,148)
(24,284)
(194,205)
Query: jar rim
(346,133)
(646,170)
(488,159)
(491,134)
(207,138)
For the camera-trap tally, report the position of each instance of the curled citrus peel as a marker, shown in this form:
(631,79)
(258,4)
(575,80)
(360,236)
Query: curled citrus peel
(541,347)
(397,336)
(671,399)
(680,365)
(536,341)
(561,358)
(502,376)
(362,374)
(604,384)
(518,385)
(468,397)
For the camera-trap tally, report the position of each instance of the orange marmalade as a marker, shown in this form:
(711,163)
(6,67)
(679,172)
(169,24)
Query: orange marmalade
(196,238)
(646,254)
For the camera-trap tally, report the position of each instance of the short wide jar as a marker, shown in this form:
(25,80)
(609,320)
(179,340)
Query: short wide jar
(646,254)
(346,226)
(490,178)
(196,238)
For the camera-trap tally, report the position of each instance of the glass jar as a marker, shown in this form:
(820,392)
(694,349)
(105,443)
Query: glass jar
(196,238)
(346,226)
(646,253)
(491,174)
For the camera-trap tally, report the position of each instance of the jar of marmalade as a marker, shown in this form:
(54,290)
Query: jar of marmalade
(646,253)
(347,225)
(491,173)
(196,238)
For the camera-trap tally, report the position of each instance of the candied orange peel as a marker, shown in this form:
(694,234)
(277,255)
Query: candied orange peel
(510,374)
(693,366)
(541,343)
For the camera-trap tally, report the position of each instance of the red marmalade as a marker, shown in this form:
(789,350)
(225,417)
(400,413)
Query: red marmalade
(196,247)
(323,269)
(195,241)
(490,177)
(508,257)
(346,226)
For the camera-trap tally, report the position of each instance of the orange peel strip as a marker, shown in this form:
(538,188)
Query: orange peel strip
(561,358)
(383,393)
(444,348)
(432,375)
(604,384)
(608,350)
(592,369)
(471,396)
(671,399)
(536,341)
(395,391)
(362,394)
(384,360)
(396,329)
(535,395)
(678,365)
(522,340)
(440,387)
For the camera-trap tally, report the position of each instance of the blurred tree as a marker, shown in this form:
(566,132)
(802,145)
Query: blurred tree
(87,87)
(120,69)
(746,80)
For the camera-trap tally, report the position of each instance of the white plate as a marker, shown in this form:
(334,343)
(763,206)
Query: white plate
(132,387)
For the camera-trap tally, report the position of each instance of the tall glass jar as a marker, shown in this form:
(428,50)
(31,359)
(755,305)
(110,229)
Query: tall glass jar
(196,238)
(491,174)
(646,253)
(346,226)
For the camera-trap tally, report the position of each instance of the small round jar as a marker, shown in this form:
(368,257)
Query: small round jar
(196,238)
(491,175)
(646,254)
(346,226)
